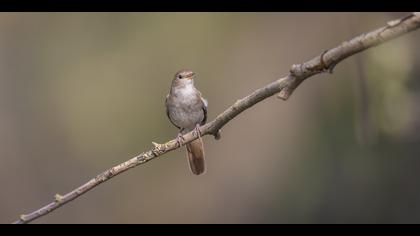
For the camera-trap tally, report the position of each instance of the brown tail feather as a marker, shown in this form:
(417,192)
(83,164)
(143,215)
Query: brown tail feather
(195,153)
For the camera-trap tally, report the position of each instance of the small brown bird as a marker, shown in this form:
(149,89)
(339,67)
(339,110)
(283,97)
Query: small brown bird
(187,110)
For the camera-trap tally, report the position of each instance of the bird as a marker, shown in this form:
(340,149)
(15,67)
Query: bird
(187,110)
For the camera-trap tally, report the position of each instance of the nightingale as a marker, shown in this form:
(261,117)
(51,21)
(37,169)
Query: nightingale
(187,110)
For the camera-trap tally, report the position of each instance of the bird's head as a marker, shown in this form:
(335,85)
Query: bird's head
(184,77)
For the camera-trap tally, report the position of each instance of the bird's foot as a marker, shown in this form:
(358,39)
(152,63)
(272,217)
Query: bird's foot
(197,130)
(180,139)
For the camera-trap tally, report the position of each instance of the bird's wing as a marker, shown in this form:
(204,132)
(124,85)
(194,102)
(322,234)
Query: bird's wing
(167,112)
(205,104)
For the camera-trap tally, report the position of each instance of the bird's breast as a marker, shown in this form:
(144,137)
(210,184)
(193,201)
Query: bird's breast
(185,108)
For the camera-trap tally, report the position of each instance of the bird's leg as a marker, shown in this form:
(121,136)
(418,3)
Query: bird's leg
(180,138)
(197,131)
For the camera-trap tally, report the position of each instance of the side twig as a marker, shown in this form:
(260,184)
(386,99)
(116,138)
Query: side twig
(285,86)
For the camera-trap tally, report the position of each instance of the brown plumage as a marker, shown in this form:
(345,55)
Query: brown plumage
(195,154)
(187,109)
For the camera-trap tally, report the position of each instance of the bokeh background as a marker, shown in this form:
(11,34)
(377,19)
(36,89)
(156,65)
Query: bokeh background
(81,92)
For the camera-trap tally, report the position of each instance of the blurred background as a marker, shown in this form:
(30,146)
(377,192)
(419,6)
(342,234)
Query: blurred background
(82,92)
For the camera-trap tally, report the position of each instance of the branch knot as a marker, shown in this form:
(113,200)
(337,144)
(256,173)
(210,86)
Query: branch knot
(58,198)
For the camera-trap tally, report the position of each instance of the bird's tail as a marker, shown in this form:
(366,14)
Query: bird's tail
(195,153)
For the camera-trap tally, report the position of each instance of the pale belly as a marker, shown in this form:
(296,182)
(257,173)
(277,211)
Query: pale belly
(186,116)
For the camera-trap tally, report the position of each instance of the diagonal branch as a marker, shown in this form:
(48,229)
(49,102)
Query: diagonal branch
(283,86)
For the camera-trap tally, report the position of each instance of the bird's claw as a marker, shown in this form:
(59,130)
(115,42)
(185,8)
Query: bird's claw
(197,131)
(180,139)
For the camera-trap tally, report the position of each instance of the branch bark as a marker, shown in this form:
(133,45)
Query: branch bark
(325,62)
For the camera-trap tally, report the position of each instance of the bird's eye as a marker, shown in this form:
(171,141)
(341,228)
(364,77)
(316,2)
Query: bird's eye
(179,76)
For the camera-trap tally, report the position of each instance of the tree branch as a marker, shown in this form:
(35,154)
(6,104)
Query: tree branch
(283,86)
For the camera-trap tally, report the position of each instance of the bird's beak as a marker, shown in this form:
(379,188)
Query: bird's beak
(191,76)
